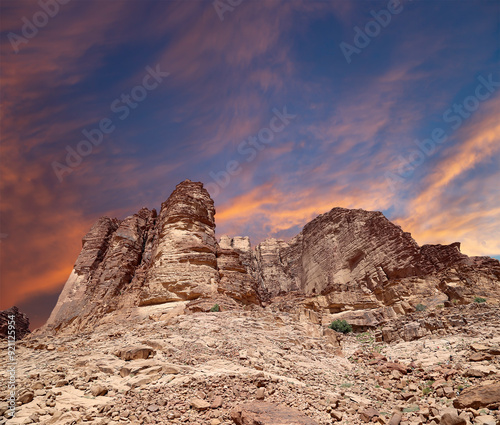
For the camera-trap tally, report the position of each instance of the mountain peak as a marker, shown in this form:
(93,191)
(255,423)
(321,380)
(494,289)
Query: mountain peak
(342,260)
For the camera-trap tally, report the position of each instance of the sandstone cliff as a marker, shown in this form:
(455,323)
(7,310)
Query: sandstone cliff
(341,261)
(183,264)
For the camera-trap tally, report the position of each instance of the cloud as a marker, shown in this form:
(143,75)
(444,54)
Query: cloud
(458,200)
(273,207)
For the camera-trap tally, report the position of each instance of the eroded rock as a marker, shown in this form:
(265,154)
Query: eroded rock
(262,413)
(479,396)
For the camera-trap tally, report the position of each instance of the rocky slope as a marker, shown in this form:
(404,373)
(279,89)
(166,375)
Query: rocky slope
(341,261)
(253,365)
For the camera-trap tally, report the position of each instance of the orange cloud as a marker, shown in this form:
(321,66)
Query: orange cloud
(433,216)
(269,210)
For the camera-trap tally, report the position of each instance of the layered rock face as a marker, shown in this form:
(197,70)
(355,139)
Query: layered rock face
(236,269)
(144,259)
(111,253)
(341,261)
(342,251)
(184,259)
(356,259)
(273,259)
(353,259)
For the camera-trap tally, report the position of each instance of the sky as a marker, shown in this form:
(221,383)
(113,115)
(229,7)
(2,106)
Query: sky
(283,109)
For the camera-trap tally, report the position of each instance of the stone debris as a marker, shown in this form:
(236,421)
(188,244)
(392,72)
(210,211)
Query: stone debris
(212,364)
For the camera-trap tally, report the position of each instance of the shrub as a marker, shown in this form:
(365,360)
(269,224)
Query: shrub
(479,300)
(215,308)
(365,338)
(341,326)
(420,307)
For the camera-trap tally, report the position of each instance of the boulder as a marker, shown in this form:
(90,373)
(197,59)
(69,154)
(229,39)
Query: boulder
(478,397)
(263,413)
(368,414)
(97,390)
(450,418)
(396,419)
(485,420)
(199,404)
(134,353)
(26,397)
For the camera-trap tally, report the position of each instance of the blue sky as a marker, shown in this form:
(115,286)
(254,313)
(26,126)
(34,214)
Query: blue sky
(354,127)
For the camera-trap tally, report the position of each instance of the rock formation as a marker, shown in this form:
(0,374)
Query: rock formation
(341,261)
(22,323)
(184,258)
(348,260)
(111,253)
(235,264)
(346,256)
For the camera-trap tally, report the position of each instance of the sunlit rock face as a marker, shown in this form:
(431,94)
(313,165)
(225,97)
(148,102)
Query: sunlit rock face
(356,259)
(236,267)
(276,268)
(184,261)
(343,260)
(104,270)
(353,251)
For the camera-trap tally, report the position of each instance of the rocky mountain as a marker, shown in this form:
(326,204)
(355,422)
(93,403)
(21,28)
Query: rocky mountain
(341,262)
(160,322)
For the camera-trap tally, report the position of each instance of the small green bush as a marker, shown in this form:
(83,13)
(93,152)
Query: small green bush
(426,390)
(341,326)
(420,307)
(365,338)
(479,300)
(215,308)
